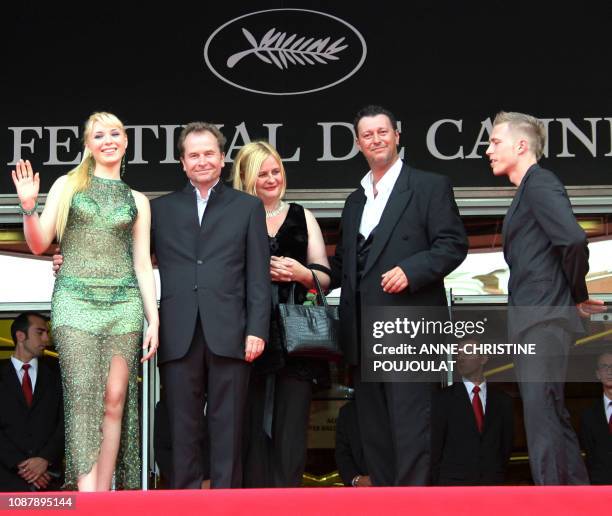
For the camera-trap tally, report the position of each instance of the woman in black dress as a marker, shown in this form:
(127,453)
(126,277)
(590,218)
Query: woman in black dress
(281,387)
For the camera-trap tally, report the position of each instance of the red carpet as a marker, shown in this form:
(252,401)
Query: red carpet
(493,501)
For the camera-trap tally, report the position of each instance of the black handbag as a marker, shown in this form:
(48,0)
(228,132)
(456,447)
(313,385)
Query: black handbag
(310,330)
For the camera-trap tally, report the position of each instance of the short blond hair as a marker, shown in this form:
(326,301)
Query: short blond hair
(248,164)
(529,126)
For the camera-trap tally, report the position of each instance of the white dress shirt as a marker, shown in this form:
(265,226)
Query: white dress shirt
(32,372)
(202,201)
(374,206)
(607,407)
(483,392)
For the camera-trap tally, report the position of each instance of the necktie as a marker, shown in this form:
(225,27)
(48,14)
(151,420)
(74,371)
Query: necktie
(26,384)
(477,406)
(610,422)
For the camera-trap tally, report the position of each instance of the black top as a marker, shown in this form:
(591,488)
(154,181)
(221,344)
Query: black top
(290,241)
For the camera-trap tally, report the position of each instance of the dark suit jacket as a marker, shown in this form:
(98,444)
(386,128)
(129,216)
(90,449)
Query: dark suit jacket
(220,270)
(25,432)
(349,450)
(460,454)
(547,253)
(420,231)
(597,443)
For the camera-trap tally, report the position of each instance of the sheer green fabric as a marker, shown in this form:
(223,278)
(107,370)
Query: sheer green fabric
(97,313)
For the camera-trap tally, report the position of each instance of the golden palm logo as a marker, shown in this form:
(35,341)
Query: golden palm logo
(278,49)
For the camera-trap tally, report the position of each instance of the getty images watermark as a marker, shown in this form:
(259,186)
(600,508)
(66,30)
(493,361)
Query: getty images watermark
(416,344)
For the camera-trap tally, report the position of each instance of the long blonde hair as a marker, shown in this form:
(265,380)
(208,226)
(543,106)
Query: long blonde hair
(248,163)
(79,177)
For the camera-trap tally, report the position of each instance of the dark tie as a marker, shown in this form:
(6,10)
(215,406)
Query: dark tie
(26,384)
(610,422)
(477,406)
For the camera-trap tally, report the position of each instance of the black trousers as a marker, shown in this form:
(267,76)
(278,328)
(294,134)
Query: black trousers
(224,381)
(554,452)
(395,425)
(278,461)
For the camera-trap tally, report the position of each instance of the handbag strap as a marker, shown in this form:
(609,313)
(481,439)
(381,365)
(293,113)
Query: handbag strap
(319,290)
(291,299)
(320,268)
(276,297)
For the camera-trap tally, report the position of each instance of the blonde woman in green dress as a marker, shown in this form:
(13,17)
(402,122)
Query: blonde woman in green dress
(101,291)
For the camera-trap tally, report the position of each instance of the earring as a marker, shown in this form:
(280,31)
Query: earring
(122,166)
(90,168)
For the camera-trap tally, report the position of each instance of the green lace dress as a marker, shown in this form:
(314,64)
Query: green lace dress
(97,313)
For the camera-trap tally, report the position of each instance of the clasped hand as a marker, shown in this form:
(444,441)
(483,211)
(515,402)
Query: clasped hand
(287,269)
(34,471)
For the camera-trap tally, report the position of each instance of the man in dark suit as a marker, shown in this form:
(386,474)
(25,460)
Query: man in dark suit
(547,253)
(349,450)
(471,427)
(596,426)
(401,234)
(212,250)
(31,412)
